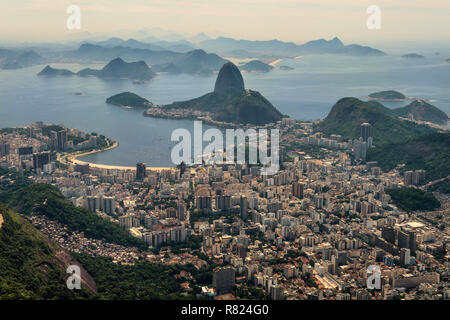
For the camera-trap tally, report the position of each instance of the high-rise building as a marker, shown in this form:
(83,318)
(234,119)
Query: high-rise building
(182,168)
(40,159)
(366,131)
(403,239)
(204,203)
(412,242)
(82,168)
(224,279)
(413,177)
(223,203)
(388,234)
(4,149)
(25,150)
(405,256)
(141,171)
(181,210)
(109,205)
(59,139)
(244,207)
(297,190)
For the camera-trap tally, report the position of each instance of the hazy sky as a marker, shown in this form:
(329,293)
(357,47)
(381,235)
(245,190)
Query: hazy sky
(293,20)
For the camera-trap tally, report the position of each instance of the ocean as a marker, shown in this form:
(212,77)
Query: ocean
(306,93)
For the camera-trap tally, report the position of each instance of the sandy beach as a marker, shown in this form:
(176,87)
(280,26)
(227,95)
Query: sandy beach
(273,63)
(74,159)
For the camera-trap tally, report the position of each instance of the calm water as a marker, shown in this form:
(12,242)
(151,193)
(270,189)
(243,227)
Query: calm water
(306,93)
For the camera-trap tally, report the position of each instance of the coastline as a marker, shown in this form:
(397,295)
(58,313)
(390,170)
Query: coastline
(73,158)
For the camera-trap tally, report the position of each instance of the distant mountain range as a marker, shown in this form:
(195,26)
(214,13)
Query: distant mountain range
(12,59)
(175,55)
(115,69)
(285,49)
(154,44)
(192,62)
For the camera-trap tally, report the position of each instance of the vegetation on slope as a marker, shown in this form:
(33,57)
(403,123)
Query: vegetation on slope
(387,95)
(421,110)
(128,99)
(347,115)
(429,152)
(411,199)
(46,199)
(441,186)
(144,280)
(29,268)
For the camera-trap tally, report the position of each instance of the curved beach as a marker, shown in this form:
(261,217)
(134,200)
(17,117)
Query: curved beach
(74,159)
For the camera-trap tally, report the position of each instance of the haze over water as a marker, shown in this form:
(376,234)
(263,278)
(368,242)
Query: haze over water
(306,93)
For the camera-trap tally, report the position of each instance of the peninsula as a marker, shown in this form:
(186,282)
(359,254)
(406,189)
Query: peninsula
(229,104)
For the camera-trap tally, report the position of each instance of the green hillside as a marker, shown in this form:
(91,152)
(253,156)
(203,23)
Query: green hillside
(30,265)
(429,152)
(410,199)
(128,99)
(47,199)
(347,115)
(233,106)
(421,110)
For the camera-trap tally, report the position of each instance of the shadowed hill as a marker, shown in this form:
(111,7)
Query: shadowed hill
(230,102)
(347,115)
(32,266)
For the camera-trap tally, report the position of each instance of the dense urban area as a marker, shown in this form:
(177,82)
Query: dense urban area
(320,228)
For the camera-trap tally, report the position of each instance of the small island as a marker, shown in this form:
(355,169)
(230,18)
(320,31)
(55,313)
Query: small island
(256,66)
(52,72)
(413,56)
(129,99)
(115,69)
(286,68)
(389,95)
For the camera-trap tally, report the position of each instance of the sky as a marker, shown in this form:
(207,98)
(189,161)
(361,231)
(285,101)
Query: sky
(287,20)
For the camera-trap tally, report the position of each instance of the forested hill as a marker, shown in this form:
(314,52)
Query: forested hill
(33,267)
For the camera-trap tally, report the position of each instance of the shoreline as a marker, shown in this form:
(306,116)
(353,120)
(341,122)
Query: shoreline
(74,159)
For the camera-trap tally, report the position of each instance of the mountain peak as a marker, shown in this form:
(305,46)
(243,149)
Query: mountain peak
(337,41)
(229,78)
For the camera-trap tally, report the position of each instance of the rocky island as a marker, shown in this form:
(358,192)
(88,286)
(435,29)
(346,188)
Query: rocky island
(413,56)
(389,95)
(115,69)
(256,66)
(52,72)
(286,68)
(129,99)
